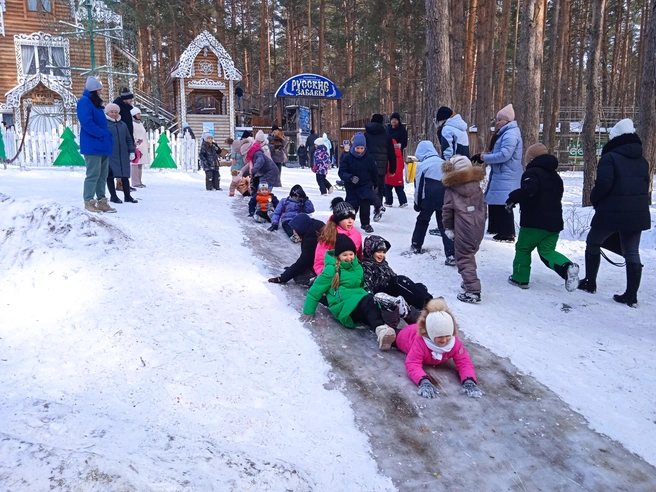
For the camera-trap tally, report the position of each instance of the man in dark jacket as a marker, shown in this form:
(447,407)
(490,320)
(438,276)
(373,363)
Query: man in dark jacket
(302,154)
(381,147)
(620,198)
(397,131)
(301,271)
(539,198)
(309,145)
(124,102)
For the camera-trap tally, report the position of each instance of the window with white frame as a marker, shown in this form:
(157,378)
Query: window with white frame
(39,5)
(42,53)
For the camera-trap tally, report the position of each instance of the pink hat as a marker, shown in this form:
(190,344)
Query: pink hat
(506,114)
(112,107)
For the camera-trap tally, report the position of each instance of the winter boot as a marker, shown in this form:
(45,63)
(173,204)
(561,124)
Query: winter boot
(90,206)
(378,214)
(470,297)
(413,315)
(521,285)
(450,260)
(368,229)
(434,232)
(386,337)
(589,283)
(416,249)
(571,277)
(391,318)
(103,206)
(633,276)
(390,303)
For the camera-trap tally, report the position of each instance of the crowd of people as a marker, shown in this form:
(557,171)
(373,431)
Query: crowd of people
(351,276)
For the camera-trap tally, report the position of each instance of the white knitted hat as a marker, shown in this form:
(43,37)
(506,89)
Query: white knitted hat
(460,162)
(622,127)
(439,324)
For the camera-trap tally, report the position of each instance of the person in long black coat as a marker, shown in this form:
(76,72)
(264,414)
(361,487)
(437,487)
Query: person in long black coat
(302,155)
(540,200)
(381,147)
(309,145)
(620,198)
(302,271)
(124,102)
(358,171)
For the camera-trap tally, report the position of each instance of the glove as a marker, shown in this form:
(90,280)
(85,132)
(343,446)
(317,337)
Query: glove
(133,156)
(354,179)
(470,389)
(308,318)
(509,206)
(274,280)
(427,390)
(476,158)
(417,208)
(450,233)
(274,227)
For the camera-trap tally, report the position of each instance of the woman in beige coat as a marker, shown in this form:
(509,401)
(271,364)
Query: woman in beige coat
(141,144)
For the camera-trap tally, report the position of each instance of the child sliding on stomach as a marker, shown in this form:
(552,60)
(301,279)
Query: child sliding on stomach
(433,340)
(342,281)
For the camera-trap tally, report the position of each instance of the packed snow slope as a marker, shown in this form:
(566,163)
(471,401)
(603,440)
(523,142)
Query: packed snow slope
(145,350)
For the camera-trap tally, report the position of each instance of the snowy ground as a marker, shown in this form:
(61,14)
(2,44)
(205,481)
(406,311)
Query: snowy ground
(145,349)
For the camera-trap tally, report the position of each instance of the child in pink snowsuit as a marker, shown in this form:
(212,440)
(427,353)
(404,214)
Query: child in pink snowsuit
(433,340)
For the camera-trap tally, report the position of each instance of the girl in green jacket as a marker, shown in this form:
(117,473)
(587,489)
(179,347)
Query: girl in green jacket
(342,281)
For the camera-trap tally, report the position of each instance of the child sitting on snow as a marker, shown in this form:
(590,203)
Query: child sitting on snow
(264,209)
(396,293)
(434,340)
(239,183)
(288,208)
(342,281)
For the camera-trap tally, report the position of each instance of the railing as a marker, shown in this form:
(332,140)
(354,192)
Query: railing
(42,148)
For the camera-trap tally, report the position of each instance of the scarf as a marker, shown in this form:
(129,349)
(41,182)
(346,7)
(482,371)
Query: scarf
(436,350)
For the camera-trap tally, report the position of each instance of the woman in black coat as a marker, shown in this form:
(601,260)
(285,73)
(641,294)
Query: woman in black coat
(620,198)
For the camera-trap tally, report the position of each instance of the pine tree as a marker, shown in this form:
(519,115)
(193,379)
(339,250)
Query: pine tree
(163,159)
(70,151)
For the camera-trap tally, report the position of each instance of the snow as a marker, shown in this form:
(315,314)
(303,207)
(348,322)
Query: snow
(145,350)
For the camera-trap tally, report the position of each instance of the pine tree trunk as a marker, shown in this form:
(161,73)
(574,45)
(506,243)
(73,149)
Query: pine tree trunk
(309,35)
(592,100)
(502,53)
(552,93)
(438,62)
(484,72)
(529,70)
(458,53)
(322,23)
(264,42)
(470,56)
(647,116)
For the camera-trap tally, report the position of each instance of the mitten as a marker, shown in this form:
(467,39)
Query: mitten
(274,227)
(470,389)
(133,156)
(427,390)
(354,179)
(274,280)
(509,206)
(450,233)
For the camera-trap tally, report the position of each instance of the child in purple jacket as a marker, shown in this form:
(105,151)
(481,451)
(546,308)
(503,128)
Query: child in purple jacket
(433,340)
(288,208)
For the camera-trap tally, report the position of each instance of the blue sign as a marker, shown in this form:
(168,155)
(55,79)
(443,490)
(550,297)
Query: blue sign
(304,119)
(309,85)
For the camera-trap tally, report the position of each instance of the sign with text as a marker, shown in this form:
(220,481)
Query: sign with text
(309,85)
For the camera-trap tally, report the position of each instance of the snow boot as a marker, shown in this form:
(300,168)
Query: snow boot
(450,261)
(378,214)
(633,276)
(503,239)
(470,297)
(391,318)
(434,232)
(368,229)
(103,206)
(571,276)
(390,303)
(90,206)
(386,337)
(521,285)
(416,249)
(413,315)
(589,283)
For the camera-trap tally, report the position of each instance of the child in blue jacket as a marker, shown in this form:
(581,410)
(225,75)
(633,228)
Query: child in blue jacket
(288,208)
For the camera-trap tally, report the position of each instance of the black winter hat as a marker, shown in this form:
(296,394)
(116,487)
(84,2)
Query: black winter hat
(341,210)
(343,243)
(246,134)
(126,94)
(395,116)
(298,191)
(377,118)
(374,244)
(443,113)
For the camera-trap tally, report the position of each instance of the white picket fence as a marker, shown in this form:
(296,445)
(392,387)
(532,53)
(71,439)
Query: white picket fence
(42,148)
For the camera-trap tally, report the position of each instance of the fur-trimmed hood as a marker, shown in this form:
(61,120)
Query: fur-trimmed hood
(454,178)
(437,304)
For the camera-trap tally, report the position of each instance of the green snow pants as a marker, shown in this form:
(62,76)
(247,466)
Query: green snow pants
(545,241)
(96,180)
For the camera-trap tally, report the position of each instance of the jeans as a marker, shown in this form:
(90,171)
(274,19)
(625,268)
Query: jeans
(97,170)
(400,193)
(630,242)
(421,227)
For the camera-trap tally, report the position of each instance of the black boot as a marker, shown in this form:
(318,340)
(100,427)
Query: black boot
(633,276)
(127,197)
(589,283)
(111,186)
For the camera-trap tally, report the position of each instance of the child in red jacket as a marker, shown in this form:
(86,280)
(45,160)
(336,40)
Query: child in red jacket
(433,340)
(395,181)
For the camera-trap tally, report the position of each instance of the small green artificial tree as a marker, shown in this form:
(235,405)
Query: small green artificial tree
(2,146)
(70,151)
(163,159)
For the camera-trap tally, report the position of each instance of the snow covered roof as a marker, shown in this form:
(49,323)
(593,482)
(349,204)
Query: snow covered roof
(185,66)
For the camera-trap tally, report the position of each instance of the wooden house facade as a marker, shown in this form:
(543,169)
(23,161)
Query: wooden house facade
(36,60)
(202,83)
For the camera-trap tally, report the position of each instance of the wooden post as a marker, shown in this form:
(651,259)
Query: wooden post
(339,131)
(279,103)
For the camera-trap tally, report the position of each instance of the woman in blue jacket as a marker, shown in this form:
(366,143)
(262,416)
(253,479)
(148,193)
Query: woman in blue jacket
(505,162)
(96,144)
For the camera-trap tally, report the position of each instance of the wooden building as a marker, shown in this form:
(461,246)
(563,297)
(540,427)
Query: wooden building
(202,83)
(36,59)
